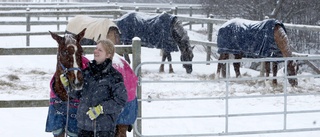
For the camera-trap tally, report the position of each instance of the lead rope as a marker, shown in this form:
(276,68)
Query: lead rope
(65,71)
(68,107)
(95,128)
(68,101)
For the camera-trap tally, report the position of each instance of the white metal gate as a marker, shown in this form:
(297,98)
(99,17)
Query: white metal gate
(227,113)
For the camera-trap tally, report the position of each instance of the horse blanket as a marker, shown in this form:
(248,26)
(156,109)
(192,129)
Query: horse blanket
(97,28)
(154,31)
(252,39)
(130,112)
(57,115)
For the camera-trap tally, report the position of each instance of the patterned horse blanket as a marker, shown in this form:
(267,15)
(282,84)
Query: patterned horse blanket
(252,39)
(154,31)
(97,28)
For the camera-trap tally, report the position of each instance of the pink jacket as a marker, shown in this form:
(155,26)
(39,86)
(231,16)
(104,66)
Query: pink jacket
(129,78)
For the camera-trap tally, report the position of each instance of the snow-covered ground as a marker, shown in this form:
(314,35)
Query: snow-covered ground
(27,77)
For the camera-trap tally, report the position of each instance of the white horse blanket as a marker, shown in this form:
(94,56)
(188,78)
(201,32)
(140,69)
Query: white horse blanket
(97,28)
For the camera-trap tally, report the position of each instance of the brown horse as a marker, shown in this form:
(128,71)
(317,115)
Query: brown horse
(62,109)
(69,62)
(252,39)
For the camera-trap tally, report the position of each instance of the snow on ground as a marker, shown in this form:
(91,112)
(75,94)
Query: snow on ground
(27,77)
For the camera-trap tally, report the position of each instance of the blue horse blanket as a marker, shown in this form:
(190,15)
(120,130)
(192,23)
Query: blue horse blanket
(252,39)
(154,31)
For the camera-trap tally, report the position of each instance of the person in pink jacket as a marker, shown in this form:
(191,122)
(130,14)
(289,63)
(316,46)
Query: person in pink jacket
(129,115)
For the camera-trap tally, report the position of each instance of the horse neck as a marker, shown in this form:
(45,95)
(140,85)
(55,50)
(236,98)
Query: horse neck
(282,41)
(58,87)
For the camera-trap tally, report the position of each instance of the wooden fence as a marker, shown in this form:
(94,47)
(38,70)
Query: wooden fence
(134,49)
(65,12)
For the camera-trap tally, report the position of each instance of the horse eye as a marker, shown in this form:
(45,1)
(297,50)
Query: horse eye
(65,53)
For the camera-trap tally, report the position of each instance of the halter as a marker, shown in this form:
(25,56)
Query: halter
(66,70)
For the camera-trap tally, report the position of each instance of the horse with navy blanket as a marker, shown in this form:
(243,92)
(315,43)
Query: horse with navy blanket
(255,39)
(162,31)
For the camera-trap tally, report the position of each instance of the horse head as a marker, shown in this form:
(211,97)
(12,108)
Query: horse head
(292,70)
(69,58)
(187,55)
(180,35)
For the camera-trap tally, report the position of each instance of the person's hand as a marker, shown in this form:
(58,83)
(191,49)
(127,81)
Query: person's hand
(64,80)
(94,112)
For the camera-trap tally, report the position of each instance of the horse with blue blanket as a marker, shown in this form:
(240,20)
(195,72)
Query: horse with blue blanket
(93,33)
(255,39)
(162,31)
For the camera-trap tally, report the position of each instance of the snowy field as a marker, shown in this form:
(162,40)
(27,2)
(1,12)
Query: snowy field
(27,77)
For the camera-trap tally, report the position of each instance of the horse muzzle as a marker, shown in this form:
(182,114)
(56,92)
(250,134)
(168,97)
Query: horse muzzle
(188,68)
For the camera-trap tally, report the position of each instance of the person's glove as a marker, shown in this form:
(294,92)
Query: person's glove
(94,112)
(64,80)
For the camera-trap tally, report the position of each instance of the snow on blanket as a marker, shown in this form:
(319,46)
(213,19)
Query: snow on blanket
(252,39)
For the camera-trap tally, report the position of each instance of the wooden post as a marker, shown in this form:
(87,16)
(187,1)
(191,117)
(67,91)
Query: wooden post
(28,27)
(58,25)
(157,10)
(175,10)
(210,30)
(190,14)
(136,57)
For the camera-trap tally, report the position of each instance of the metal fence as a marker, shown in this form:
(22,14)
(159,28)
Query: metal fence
(228,99)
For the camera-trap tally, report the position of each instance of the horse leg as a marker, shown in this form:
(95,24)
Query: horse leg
(222,66)
(275,71)
(161,69)
(169,60)
(267,68)
(236,65)
(121,130)
(61,135)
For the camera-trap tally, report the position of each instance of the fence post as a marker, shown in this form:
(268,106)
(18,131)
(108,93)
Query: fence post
(136,57)
(157,10)
(176,10)
(58,25)
(136,9)
(190,14)
(210,30)
(28,27)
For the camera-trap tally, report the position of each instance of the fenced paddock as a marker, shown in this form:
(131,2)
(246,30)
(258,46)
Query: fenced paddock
(226,97)
(224,117)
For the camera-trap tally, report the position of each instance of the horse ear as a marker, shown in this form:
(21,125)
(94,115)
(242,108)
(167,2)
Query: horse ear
(99,37)
(55,36)
(81,34)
